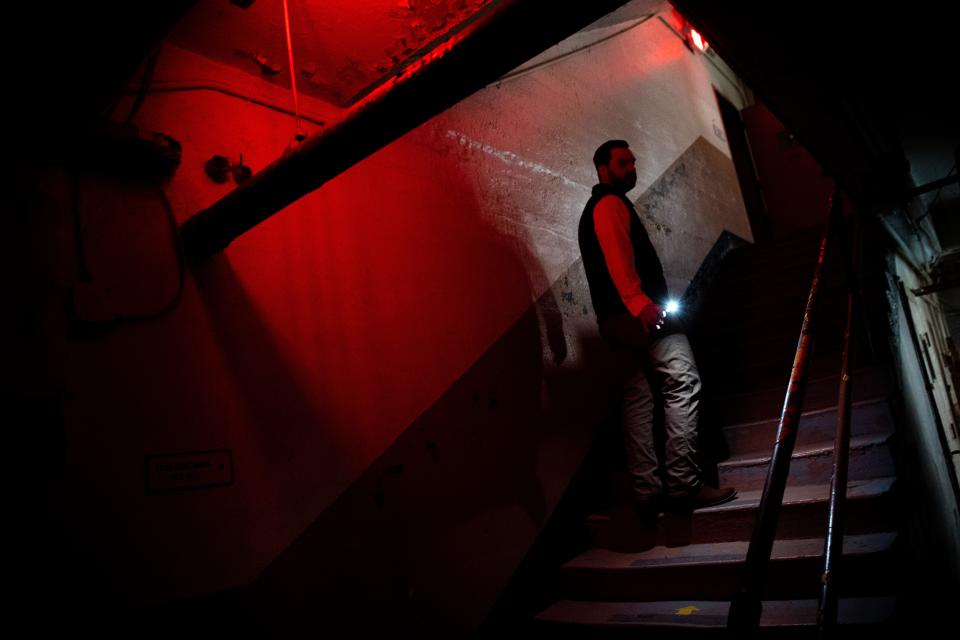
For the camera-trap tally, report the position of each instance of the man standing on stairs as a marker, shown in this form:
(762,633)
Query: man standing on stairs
(629,293)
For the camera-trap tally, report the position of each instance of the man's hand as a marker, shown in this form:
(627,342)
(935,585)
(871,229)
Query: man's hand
(650,316)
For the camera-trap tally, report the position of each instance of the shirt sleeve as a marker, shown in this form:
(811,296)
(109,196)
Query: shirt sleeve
(611,220)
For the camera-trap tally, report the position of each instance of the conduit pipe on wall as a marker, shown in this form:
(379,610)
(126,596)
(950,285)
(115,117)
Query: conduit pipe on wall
(498,38)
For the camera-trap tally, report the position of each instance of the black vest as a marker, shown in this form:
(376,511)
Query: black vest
(603,293)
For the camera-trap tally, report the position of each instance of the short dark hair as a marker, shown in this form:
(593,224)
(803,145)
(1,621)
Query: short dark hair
(601,156)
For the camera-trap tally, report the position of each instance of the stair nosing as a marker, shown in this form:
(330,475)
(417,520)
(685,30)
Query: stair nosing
(812,380)
(601,559)
(809,413)
(809,450)
(716,610)
(748,500)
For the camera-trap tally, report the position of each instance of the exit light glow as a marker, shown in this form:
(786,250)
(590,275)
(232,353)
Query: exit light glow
(698,41)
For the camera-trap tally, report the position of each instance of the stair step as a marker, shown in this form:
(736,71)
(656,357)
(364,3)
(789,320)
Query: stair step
(870,457)
(674,577)
(770,300)
(713,571)
(755,351)
(776,345)
(768,346)
(768,280)
(778,251)
(821,393)
(720,553)
(753,276)
(746,263)
(700,615)
(740,378)
(730,306)
(867,418)
(750,300)
(731,321)
(772,256)
(803,514)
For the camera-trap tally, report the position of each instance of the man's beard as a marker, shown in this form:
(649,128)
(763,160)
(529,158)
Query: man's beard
(626,183)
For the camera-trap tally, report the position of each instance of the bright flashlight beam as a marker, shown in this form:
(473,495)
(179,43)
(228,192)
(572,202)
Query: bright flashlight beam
(672,306)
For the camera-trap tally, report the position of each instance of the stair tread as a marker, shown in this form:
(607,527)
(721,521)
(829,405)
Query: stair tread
(793,495)
(808,493)
(858,372)
(866,403)
(750,381)
(738,377)
(766,403)
(724,553)
(746,319)
(803,450)
(711,613)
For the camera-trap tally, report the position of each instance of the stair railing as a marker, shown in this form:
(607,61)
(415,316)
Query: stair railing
(836,519)
(746,607)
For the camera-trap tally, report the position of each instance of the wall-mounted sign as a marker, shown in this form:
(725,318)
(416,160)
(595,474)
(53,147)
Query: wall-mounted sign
(194,470)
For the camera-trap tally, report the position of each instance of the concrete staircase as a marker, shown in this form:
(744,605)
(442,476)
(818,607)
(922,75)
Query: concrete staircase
(676,579)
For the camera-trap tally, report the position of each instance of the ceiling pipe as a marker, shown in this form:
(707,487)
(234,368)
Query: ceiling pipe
(500,37)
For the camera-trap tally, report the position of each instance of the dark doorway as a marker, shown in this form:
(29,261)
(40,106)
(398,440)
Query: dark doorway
(746,172)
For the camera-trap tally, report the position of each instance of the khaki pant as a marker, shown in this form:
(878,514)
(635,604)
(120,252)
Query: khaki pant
(665,360)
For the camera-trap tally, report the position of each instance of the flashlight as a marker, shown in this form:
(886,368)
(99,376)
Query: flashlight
(671,307)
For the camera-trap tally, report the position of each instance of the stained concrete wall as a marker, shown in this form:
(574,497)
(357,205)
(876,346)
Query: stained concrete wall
(932,524)
(404,364)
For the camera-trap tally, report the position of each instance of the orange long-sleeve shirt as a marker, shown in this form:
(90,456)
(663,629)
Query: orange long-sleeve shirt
(611,221)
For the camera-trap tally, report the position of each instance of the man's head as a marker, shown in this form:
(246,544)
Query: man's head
(615,165)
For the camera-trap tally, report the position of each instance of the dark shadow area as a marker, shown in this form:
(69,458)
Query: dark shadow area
(272,396)
(537,582)
(60,358)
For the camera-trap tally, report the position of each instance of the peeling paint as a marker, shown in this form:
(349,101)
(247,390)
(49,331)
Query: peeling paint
(423,21)
(380,35)
(657,225)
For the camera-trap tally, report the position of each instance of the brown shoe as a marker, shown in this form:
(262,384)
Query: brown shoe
(704,496)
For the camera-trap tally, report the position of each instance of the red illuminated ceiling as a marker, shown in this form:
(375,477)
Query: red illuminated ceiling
(341,47)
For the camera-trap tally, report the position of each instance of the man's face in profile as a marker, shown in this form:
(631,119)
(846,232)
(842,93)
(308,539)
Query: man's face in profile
(622,170)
